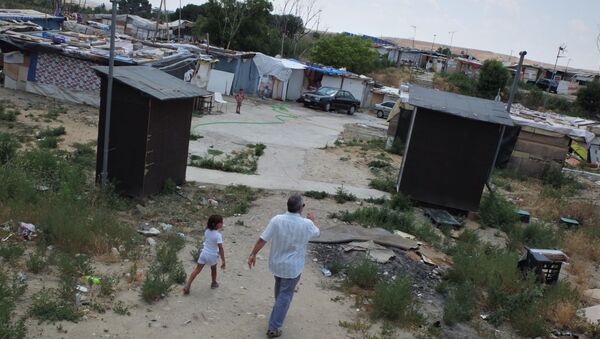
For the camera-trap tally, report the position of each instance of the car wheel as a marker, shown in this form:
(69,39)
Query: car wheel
(380,114)
(351,110)
(306,104)
(327,107)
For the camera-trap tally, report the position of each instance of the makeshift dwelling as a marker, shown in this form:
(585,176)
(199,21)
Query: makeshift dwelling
(466,66)
(234,70)
(280,79)
(58,63)
(359,85)
(451,146)
(151,116)
(135,26)
(545,139)
(43,20)
(384,93)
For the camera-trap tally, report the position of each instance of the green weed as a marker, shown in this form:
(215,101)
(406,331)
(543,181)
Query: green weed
(379,164)
(8,147)
(341,196)
(11,252)
(363,274)
(316,194)
(51,132)
(47,307)
(36,263)
(120,308)
(384,183)
(10,291)
(394,301)
(84,154)
(497,212)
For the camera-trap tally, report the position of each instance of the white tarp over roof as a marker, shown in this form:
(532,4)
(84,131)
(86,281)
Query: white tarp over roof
(570,126)
(279,68)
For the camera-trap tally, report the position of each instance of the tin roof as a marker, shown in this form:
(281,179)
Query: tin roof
(460,105)
(154,82)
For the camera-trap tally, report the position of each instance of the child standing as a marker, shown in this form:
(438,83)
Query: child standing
(213,248)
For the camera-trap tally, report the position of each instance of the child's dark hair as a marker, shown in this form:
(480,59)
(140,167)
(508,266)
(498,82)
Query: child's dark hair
(213,221)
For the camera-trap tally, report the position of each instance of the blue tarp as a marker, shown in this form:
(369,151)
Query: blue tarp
(324,70)
(49,22)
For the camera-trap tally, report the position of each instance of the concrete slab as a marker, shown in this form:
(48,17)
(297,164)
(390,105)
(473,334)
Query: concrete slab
(591,314)
(593,294)
(289,130)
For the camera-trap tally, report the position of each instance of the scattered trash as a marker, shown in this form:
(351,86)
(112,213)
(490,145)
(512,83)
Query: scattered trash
(115,252)
(7,237)
(165,227)
(91,280)
(544,263)
(81,299)
(484,316)
(326,272)
(27,231)
(203,201)
(187,322)
(592,313)
(404,235)
(151,242)
(315,259)
(569,222)
(441,217)
(149,232)
(21,278)
(82,289)
(42,188)
(524,216)
(181,235)
(213,202)
(376,252)
(260,316)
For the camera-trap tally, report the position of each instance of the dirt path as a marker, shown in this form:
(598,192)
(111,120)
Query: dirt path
(239,308)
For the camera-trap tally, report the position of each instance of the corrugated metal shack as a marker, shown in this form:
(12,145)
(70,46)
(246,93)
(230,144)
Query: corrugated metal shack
(450,147)
(149,128)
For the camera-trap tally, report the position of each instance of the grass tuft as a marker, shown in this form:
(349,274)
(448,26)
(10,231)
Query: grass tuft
(363,274)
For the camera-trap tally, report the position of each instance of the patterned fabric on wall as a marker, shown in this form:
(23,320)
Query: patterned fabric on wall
(66,72)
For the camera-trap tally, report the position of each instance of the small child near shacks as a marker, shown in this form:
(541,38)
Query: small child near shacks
(212,250)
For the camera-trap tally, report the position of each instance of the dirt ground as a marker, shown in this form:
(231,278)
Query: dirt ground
(240,307)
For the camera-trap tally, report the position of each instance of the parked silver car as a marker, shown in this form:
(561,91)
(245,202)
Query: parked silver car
(383,109)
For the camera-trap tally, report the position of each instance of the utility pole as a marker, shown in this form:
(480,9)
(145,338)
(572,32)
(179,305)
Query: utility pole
(179,28)
(451,38)
(567,67)
(157,20)
(515,84)
(433,42)
(414,34)
(109,87)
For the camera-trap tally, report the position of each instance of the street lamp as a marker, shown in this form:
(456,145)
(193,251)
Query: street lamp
(451,38)
(414,34)
(433,42)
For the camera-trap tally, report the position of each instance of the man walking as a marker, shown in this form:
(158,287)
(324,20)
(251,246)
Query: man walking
(289,234)
(239,98)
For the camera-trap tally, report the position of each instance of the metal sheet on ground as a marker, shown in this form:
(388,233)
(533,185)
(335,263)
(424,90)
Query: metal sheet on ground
(348,233)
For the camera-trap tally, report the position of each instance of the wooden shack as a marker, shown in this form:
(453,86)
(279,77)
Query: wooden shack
(537,149)
(451,147)
(151,116)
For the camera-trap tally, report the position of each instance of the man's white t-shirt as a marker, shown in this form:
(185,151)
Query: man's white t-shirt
(212,239)
(289,234)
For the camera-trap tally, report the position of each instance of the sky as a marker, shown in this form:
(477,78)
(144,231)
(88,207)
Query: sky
(536,26)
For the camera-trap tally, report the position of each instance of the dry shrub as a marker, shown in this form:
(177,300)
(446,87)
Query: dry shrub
(580,270)
(586,213)
(581,244)
(562,314)
(391,76)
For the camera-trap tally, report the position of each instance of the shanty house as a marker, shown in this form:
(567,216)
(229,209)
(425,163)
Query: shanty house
(280,79)
(43,20)
(451,147)
(149,128)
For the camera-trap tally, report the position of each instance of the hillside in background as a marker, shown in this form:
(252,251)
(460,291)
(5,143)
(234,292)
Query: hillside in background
(478,53)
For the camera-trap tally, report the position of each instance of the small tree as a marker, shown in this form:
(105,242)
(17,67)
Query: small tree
(354,53)
(492,77)
(588,98)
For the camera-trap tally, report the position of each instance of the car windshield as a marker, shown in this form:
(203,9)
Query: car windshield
(329,91)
